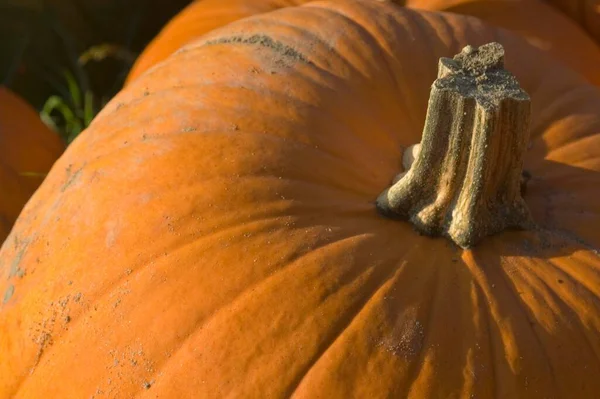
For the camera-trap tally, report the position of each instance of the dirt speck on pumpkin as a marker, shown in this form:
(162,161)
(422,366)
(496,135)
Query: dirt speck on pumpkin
(287,55)
(8,293)
(72,177)
(15,269)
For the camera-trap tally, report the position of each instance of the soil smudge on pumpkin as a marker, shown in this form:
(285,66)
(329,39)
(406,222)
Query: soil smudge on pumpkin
(8,293)
(71,178)
(282,49)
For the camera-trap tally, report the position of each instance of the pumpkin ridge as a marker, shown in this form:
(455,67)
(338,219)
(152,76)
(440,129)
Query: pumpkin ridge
(497,273)
(568,305)
(525,311)
(574,142)
(494,337)
(387,283)
(563,100)
(489,306)
(356,273)
(533,278)
(588,289)
(416,366)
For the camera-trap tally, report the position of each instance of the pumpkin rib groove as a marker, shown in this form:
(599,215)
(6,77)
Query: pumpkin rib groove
(338,333)
(334,333)
(567,305)
(563,101)
(114,286)
(404,93)
(416,367)
(556,151)
(392,64)
(385,54)
(453,41)
(510,288)
(497,272)
(395,273)
(541,290)
(493,336)
(563,308)
(332,78)
(481,280)
(589,288)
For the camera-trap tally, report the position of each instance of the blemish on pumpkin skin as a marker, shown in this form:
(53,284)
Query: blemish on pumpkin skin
(8,293)
(285,51)
(72,177)
(15,268)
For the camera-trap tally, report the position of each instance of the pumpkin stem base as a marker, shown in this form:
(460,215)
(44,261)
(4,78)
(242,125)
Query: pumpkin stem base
(464,178)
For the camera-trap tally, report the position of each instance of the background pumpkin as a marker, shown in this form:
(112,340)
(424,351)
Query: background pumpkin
(249,259)
(584,12)
(542,25)
(27,151)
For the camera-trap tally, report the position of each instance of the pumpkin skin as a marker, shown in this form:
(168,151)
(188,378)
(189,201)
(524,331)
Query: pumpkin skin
(542,25)
(196,19)
(222,238)
(585,12)
(26,146)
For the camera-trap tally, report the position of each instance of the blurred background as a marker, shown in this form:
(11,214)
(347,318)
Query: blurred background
(67,58)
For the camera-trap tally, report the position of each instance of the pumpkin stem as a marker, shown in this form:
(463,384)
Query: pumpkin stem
(464,179)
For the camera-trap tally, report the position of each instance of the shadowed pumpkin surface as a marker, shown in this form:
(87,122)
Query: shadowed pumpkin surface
(584,12)
(27,151)
(222,238)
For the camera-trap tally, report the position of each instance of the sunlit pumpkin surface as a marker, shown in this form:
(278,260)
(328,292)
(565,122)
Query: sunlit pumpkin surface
(543,26)
(213,233)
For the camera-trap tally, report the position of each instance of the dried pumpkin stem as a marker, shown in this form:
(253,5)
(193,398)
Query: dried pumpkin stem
(464,178)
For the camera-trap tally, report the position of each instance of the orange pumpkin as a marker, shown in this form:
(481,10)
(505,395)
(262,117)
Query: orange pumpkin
(543,26)
(585,12)
(27,151)
(198,18)
(214,233)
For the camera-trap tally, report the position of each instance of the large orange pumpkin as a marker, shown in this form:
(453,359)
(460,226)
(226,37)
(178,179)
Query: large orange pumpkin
(27,151)
(542,25)
(214,233)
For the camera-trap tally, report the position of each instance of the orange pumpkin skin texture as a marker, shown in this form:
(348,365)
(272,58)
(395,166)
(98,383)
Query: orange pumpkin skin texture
(28,148)
(585,12)
(196,19)
(222,238)
(541,24)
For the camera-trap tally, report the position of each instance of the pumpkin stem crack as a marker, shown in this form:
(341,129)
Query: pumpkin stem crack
(464,179)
